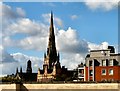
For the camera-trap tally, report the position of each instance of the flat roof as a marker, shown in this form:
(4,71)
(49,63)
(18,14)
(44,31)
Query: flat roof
(99,50)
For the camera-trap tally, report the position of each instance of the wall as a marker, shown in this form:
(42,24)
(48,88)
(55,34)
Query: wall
(63,87)
(8,87)
(99,76)
(72,86)
(86,73)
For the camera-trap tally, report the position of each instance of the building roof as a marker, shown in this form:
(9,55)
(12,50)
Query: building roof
(100,50)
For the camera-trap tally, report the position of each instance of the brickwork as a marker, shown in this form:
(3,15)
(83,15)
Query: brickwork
(100,77)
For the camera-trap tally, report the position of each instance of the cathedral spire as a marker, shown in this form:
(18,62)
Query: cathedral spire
(51,20)
(16,70)
(51,49)
(51,43)
(20,69)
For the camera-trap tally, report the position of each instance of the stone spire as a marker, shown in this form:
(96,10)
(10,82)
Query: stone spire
(51,50)
(16,70)
(20,70)
(51,43)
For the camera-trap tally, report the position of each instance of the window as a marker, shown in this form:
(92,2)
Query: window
(110,62)
(103,71)
(103,62)
(81,70)
(91,73)
(111,72)
(90,63)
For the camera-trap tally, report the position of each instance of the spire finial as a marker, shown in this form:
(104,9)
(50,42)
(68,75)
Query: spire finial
(51,12)
(17,70)
(51,19)
(20,69)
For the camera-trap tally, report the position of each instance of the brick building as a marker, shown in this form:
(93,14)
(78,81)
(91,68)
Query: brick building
(107,73)
(103,65)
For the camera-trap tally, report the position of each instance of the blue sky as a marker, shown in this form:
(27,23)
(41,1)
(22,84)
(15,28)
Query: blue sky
(79,26)
(94,26)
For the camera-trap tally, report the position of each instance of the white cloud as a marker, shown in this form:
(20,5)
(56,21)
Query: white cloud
(33,42)
(69,42)
(71,60)
(20,12)
(6,57)
(72,48)
(9,62)
(8,68)
(73,17)
(26,26)
(59,21)
(36,34)
(22,59)
(101,4)
(9,14)
(93,46)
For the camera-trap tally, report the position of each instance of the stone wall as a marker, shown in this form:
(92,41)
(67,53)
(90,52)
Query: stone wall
(7,87)
(62,87)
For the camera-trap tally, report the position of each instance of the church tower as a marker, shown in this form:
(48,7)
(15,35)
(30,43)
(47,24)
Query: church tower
(51,58)
(29,68)
(51,65)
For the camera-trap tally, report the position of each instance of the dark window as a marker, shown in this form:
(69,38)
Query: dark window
(103,71)
(90,63)
(91,73)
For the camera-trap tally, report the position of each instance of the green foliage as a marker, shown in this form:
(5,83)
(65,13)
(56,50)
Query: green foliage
(9,79)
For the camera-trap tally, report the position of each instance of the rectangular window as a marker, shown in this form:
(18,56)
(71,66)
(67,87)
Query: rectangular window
(110,62)
(91,72)
(90,63)
(110,71)
(80,71)
(103,62)
(103,71)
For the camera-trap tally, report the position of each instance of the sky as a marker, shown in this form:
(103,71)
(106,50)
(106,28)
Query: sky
(79,28)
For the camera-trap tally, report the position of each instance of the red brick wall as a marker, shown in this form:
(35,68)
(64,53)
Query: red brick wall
(99,76)
(86,70)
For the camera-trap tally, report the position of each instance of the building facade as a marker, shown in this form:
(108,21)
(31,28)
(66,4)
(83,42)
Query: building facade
(28,75)
(82,72)
(103,65)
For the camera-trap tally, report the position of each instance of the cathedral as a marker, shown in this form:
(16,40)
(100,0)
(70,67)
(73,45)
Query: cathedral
(51,66)
(52,69)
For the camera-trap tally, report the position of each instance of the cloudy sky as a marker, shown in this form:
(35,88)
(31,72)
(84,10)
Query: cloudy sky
(79,27)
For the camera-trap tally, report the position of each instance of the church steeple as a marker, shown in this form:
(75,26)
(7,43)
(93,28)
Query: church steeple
(16,70)
(51,43)
(29,67)
(51,66)
(51,49)
(51,21)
